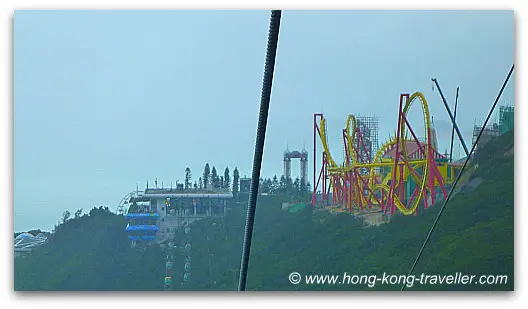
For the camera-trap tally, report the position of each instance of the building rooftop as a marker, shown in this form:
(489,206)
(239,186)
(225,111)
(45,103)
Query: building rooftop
(26,241)
(413,151)
(187,191)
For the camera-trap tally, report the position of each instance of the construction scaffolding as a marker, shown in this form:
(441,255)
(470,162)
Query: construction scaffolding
(503,124)
(487,133)
(368,126)
(506,119)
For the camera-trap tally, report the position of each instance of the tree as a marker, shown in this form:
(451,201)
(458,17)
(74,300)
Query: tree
(188,176)
(227,180)
(200,183)
(289,187)
(206,175)
(235,182)
(308,193)
(302,188)
(78,213)
(221,184)
(65,216)
(265,185)
(269,185)
(214,178)
(282,183)
(275,185)
(195,184)
(297,186)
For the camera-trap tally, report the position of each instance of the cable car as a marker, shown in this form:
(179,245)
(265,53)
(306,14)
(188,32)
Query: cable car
(168,283)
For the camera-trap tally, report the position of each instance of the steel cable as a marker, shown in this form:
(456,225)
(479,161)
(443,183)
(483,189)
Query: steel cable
(273,38)
(458,177)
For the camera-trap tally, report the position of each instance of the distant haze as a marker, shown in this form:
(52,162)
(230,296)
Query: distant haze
(108,100)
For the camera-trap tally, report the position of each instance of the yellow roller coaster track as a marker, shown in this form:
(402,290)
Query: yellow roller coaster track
(402,138)
(425,167)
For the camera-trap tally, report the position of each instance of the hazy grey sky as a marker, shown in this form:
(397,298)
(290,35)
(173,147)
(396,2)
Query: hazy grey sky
(105,100)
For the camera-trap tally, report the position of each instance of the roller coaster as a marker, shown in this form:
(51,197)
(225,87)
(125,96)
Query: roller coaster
(404,175)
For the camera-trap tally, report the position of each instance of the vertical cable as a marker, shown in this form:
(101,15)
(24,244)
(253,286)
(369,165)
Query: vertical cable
(458,177)
(453,132)
(273,38)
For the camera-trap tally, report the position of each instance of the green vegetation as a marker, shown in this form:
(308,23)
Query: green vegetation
(188,176)
(211,179)
(206,174)
(474,236)
(90,253)
(236,178)
(227,178)
(290,189)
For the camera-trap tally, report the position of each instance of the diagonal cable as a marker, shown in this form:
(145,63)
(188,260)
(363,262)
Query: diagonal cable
(458,177)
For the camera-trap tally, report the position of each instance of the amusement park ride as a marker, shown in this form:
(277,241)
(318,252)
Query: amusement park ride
(404,174)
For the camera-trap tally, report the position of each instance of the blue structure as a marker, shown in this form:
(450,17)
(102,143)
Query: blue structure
(153,215)
(142,222)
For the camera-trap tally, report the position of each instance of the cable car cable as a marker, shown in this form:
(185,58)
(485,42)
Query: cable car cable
(273,38)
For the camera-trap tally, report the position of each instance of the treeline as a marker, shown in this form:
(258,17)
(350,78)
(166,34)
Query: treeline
(210,179)
(66,215)
(287,187)
(90,252)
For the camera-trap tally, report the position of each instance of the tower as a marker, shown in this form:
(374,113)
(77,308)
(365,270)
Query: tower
(287,164)
(303,158)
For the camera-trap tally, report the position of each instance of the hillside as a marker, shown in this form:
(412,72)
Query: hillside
(474,236)
(90,253)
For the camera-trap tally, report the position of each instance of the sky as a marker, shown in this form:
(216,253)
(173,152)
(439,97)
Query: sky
(106,100)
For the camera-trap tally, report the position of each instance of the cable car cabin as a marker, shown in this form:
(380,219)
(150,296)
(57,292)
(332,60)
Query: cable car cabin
(168,282)
(168,269)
